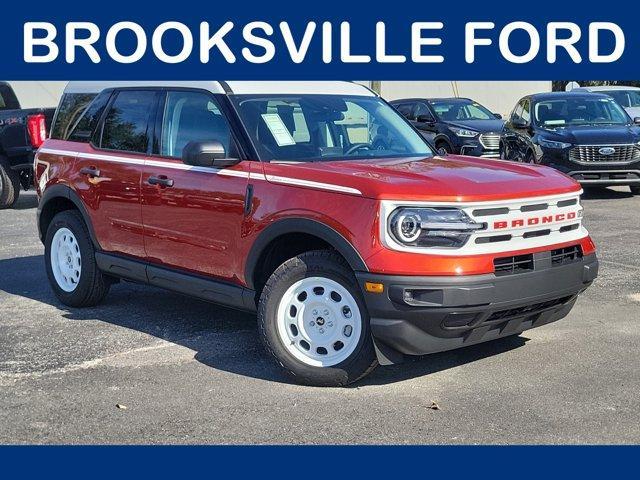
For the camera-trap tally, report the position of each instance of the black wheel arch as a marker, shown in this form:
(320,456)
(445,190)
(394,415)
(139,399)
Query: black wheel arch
(306,226)
(50,203)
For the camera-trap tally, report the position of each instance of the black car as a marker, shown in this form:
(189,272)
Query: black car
(588,136)
(454,125)
(22,131)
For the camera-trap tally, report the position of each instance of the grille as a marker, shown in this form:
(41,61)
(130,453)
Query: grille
(565,255)
(591,154)
(511,265)
(526,310)
(490,141)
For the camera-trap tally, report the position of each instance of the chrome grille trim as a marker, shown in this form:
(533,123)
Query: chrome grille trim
(589,154)
(490,141)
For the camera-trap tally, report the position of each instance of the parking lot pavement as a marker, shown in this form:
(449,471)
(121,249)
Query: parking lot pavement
(186,371)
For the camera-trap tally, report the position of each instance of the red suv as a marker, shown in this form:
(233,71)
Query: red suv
(315,205)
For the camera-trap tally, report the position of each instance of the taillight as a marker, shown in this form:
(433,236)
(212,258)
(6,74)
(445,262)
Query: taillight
(37,129)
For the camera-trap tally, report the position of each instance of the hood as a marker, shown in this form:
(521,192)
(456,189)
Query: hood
(594,134)
(449,178)
(482,126)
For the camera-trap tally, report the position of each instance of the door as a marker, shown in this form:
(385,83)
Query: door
(511,137)
(109,169)
(523,130)
(192,216)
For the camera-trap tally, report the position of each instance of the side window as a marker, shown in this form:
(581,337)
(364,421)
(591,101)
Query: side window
(406,109)
(127,122)
(192,117)
(422,109)
(85,126)
(517,112)
(526,111)
(71,107)
(8,100)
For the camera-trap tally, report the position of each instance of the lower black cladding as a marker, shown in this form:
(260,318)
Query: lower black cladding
(421,315)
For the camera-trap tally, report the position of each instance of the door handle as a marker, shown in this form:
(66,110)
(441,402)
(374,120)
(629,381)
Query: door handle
(161,180)
(91,171)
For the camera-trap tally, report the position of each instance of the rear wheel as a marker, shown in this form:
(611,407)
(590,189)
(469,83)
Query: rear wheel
(71,263)
(313,321)
(9,185)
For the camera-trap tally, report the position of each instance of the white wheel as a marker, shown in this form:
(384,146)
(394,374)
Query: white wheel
(66,261)
(319,321)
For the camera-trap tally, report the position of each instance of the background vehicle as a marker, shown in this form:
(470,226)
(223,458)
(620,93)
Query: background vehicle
(627,97)
(276,197)
(454,125)
(587,136)
(21,133)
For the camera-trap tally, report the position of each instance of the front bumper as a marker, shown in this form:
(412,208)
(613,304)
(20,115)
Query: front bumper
(596,173)
(420,315)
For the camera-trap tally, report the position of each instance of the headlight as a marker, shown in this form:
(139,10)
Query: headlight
(552,144)
(463,132)
(432,227)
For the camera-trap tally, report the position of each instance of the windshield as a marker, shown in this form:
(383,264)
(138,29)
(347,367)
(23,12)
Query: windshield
(626,98)
(326,127)
(451,110)
(579,111)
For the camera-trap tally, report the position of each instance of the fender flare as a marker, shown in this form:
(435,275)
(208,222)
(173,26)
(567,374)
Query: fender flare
(66,192)
(301,225)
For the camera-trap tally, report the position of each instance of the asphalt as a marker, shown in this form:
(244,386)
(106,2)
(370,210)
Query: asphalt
(153,367)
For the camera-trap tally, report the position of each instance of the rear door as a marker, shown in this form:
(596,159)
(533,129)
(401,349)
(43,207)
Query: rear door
(193,216)
(109,169)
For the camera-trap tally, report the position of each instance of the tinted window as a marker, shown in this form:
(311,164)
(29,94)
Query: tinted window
(405,109)
(526,111)
(517,112)
(422,109)
(8,100)
(192,117)
(626,98)
(126,124)
(84,127)
(71,107)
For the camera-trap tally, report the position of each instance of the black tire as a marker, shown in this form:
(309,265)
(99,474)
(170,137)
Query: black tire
(443,148)
(93,285)
(9,185)
(635,189)
(318,263)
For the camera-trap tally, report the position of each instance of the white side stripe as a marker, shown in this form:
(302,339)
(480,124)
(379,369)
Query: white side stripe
(309,183)
(225,172)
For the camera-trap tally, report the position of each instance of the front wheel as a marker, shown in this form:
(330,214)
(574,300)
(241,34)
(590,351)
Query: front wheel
(313,321)
(71,264)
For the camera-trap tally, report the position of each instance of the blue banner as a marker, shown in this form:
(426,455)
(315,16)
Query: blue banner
(192,40)
(516,462)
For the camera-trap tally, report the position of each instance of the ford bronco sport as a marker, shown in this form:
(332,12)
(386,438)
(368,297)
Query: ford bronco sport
(271,197)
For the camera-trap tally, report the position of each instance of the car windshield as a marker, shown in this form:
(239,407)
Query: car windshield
(450,110)
(579,111)
(326,127)
(626,98)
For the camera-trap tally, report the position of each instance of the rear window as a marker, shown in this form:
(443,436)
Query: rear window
(8,100)
(127,121)
(71,107)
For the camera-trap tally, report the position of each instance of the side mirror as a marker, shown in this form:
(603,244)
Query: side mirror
(498,116)
(207,154)
(636,120)
(519,123)
(424,119)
